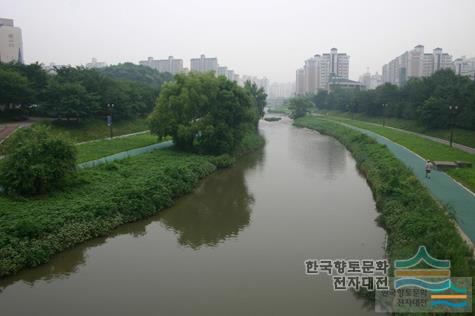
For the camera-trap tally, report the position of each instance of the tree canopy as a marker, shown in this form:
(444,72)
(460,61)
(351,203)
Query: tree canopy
(299,106)
(136,73)
(204,113)
(79,93)
(426,100)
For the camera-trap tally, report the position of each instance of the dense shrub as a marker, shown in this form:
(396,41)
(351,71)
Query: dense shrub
(36,161)
(222,161)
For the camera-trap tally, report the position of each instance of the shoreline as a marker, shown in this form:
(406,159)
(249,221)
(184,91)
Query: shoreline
(409,214)
(98,200)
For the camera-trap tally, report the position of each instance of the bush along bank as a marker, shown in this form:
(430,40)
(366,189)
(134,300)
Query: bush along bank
(95,201)
(407,211)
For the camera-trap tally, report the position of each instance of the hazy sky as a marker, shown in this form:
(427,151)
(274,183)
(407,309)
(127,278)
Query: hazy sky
(258,37)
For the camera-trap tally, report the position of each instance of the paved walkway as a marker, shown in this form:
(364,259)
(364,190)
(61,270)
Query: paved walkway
(6,130)
(441,186)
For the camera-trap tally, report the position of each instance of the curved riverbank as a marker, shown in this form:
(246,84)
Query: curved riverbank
(97,200)
(408,213)
(236,245)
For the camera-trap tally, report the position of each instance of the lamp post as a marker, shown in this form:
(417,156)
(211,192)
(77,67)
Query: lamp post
(452,111)
(385,105)
(110,106)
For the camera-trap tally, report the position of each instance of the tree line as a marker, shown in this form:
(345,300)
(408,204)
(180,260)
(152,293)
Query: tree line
(435,102)
(203,113)
(79,93)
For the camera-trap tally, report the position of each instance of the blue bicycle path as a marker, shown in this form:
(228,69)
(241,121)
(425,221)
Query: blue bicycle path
(445,189)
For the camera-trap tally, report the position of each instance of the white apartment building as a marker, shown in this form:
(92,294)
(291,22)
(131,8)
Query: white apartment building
(222,70)
(370,81)
(319,70)
(170,65)
(203,64)
(95,64)
(465,67)
(281,90)
(11,43)
(415,64)
(300,82)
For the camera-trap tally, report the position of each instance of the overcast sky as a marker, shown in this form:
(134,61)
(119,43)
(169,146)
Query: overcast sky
(258,37)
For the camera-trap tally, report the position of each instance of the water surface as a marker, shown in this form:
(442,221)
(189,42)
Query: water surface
(236,246)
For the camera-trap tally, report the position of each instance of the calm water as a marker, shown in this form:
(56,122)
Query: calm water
(236,246)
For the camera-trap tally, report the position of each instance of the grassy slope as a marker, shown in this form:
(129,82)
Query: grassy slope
(429,150)
(96,129)
(280,109)
(408,213)
(97,200)
(461,136)
(102,148)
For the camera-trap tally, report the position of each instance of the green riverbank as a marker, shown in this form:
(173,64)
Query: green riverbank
(407,211)
(96,200)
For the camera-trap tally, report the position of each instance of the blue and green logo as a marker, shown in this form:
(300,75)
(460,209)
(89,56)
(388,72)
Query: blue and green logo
(440,291)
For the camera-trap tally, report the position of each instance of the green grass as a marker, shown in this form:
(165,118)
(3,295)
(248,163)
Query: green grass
(461,136)
(408,213)
(250,142)
(428,150)
(94,201)
(97,129)
(280,109)
(92,204)
(102,148)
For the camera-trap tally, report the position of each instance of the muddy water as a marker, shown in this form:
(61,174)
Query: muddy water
(236,246)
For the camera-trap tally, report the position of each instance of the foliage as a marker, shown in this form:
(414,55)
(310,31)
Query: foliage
(80,93)
(408,213)
(299,106)
(251,141)
(137,73)
(14,88)
(70,100)
(36,161)
(272,119)
(423,99)
(258,98)
(203,113)
(222,161)
(97,200)
(32,230)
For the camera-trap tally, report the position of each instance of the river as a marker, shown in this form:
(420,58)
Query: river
(235,246)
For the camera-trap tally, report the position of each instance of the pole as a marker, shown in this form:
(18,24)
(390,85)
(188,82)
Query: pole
(452,111)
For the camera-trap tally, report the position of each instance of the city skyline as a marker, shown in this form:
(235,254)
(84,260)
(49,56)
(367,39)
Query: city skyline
(252,36)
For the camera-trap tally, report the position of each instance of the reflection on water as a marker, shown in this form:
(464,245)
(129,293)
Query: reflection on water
(236,246)
(331,164)
(219,209)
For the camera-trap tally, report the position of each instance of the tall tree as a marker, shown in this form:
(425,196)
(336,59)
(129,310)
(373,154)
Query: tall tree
(202,113)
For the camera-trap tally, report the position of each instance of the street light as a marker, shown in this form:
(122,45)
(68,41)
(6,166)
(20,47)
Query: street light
(385,105)
(452,111)
(110,106)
